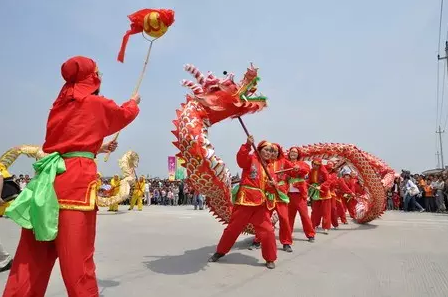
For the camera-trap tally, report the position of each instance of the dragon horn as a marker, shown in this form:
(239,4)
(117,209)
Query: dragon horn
(195,72)
(196,88)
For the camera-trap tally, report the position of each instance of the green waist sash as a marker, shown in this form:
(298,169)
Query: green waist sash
(283,197)
(37,206)
(295,180)
(314,193)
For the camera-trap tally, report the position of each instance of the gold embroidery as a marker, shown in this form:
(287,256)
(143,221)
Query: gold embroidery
(89,200)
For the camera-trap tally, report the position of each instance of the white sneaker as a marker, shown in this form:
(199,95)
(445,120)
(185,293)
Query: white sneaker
(325,231)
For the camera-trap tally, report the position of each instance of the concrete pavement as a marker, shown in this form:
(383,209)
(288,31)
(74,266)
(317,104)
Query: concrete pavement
(163,251)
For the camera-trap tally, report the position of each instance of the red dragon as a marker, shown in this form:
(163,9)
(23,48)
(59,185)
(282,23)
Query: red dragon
(215,99)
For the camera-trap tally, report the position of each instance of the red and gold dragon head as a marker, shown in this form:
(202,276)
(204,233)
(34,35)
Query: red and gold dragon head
(224,98)
(211,101)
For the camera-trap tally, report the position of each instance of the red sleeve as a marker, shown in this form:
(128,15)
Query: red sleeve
(243,157)
(327,181)
(289,165)
(114,117)
(304,169)
(343,187)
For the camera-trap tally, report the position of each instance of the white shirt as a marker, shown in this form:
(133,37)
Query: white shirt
(411,188)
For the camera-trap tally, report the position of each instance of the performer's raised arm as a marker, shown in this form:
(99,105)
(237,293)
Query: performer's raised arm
(243,157)
(115,117)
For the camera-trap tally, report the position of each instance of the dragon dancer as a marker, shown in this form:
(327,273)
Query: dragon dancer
(319,192)
(342,191)
(250,204)
(115,189)
(298,195)
(137,195)
(57,209)
(3,175)
(357,188)
(279,200)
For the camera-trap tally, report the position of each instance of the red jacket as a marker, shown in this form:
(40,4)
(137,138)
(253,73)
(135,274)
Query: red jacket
(283,178)
(253,178)
(79,121)
(321,177)
(342,188)
(299,181)
(356,187)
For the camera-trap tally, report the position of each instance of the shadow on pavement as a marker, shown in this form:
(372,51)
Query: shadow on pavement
(193,261)
(103,284)
(110,213)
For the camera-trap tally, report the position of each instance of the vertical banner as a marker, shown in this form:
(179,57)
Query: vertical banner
(181,172)
(171,167)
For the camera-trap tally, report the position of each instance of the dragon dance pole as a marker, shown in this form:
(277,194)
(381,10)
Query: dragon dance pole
(256,152)
(137,87)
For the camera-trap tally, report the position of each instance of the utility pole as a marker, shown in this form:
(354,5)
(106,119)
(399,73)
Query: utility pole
(440,130)
(446,54)
(438,159)
(441,147)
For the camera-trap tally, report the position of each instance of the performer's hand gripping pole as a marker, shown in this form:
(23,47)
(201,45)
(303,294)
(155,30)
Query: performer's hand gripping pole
(263,164)
(137,87)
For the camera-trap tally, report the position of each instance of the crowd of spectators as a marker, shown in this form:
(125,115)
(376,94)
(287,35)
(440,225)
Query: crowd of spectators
(418,192)
(410,192)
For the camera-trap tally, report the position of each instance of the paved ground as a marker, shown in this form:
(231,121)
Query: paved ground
(163,251)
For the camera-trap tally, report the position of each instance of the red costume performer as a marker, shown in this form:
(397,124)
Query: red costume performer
(77,124)
(279,202)
(298,195)
(250,204)
(338,211)
(357,189)
(320,194)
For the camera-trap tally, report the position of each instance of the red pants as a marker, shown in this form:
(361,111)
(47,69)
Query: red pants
(260,217)
(351,206)
(321,210)
(285,232)
(74,246)
(337,211)
(297,202)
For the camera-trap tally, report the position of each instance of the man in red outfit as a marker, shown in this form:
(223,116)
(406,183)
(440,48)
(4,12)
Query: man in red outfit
(279,201)
(341,190)
(298,195)
(319,191)
(358,190)
(77,124)
(250,204)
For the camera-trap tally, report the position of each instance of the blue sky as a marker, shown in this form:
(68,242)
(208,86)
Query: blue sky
(361,72)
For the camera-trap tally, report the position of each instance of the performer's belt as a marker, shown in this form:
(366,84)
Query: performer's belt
(295,180)
(283,197)
(313,192)
(37,206)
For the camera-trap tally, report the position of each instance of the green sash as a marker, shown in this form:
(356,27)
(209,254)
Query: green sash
(314,193)
(37,206)
(295,180)
(283,197)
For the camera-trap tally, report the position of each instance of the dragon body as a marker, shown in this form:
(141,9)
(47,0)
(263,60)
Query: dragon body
(127,163)
(212,100)
(376,176)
